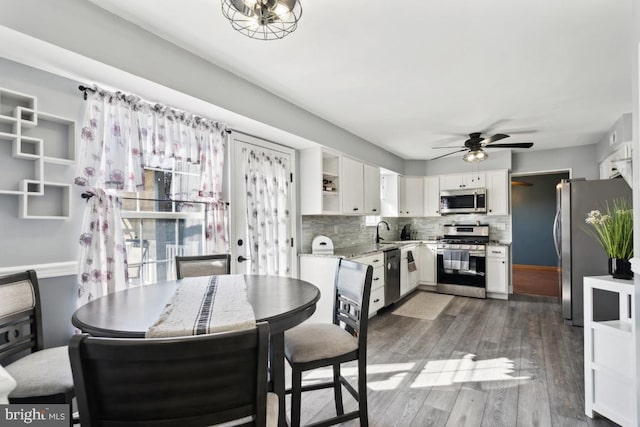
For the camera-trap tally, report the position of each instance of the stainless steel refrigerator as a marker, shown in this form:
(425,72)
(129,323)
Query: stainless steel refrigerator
(579,255)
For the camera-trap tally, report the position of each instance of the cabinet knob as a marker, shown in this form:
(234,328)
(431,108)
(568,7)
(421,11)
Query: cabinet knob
(355,209)
(376,300)
(376,278)
(374,210)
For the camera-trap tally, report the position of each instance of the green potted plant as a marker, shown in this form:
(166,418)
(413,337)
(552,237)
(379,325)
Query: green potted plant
(613,229)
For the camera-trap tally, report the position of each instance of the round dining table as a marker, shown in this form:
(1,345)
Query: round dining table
(283,302)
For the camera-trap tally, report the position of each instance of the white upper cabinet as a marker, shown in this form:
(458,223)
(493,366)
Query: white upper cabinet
(498,186)
(320,183)
(402,196)
(389,195)
(371,190)
(462,181)
(352,179)
(432,196)
(412,196)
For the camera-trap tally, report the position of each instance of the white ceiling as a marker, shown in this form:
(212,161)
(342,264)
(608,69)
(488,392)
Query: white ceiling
(410,74)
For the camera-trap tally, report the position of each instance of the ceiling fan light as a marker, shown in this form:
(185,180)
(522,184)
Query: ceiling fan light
(263,19)
(475,156)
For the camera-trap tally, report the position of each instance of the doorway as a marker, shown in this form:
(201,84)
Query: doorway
(262,182)
(535,260)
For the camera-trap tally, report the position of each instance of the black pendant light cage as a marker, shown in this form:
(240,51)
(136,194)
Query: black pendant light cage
(263,19)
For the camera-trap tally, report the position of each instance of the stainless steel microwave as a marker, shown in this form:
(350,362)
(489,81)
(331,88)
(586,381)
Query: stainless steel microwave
(463,201)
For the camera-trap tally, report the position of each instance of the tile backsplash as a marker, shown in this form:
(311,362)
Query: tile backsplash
(348,231)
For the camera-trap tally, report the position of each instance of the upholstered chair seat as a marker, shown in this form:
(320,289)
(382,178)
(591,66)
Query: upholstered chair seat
(305,343)
(43,373)
(311,346)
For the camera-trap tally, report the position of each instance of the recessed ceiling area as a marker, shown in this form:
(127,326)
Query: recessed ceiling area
(410,75)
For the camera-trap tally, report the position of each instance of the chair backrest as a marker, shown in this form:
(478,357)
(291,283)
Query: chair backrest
(137,254)
(184,381)
(20,315)
(352,292)
(202,265)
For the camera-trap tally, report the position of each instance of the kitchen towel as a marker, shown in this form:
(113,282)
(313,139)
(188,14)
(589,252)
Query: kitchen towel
(411,263)
(204,305)
(453,259)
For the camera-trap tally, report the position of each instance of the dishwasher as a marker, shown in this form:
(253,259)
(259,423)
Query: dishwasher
(391,276)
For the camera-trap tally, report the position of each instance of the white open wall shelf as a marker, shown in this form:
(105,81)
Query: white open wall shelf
(38,138)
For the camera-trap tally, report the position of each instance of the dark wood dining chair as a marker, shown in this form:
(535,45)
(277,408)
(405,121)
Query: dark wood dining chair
(202,265)
(311,346)
(42,375)
(184,381)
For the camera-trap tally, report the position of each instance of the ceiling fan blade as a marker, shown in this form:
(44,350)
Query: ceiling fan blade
(512,145)
(496,137)
(451,146)
(453,152)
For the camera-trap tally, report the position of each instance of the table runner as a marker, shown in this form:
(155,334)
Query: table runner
(204,305)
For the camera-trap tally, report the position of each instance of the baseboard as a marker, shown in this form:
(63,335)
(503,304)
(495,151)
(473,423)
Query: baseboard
(430,288)
(43,271)
(536,267)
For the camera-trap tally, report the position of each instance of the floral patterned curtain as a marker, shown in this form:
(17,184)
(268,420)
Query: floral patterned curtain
(267,190)
(103,265)
(121,135)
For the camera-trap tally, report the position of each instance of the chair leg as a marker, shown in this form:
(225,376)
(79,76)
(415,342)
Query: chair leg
(337,389)
(362,394)
(296,396)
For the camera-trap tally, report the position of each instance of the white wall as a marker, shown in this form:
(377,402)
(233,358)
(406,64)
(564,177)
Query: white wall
(635,17)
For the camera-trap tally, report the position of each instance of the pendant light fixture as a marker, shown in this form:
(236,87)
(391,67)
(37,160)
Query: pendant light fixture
(263,19)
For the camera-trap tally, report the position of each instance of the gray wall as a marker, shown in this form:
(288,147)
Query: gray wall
(36,241)
(82,27)
(533,210)
(22,239)
(623,133)
(581,160)
(454,163)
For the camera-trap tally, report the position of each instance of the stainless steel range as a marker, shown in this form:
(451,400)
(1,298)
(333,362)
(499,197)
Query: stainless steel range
(461,260)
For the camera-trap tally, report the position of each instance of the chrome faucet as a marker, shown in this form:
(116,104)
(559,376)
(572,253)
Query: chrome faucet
(378,238)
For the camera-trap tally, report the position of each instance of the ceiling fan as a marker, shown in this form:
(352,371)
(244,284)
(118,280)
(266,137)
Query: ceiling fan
(476,143)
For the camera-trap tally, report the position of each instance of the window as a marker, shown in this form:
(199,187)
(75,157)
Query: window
(157,227)
(372,220)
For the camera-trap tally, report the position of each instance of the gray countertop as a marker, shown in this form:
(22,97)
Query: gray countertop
(360,250)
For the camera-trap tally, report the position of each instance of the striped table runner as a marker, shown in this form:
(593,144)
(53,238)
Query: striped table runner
(204,305)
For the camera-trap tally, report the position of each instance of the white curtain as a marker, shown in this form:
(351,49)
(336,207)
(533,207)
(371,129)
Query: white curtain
(121,135)
(268,216)
(103,265)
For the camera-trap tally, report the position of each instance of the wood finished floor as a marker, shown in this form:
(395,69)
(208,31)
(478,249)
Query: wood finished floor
(480,363)
(536,280)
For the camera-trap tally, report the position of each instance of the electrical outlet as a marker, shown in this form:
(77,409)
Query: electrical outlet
(335,229)
(363,226)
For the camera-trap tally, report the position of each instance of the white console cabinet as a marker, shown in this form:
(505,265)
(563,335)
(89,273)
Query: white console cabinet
(609,354)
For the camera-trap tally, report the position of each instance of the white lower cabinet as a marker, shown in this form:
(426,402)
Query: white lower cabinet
(609,354)
(376,300)
(427,265)
(320,271)
(408,279)
(497,278)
